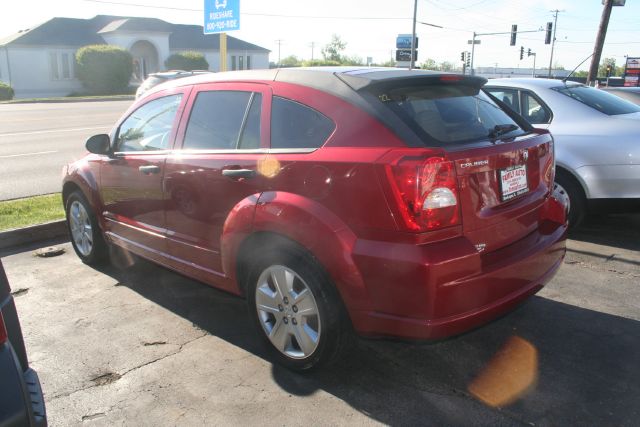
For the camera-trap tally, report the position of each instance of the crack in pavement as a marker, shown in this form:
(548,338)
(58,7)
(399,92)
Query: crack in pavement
(135,368)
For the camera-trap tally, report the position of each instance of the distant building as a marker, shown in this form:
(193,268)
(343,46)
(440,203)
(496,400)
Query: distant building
(498,73)
(41,61)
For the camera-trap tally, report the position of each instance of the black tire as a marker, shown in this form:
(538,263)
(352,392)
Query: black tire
(335,329)
(99,250)
(577,203)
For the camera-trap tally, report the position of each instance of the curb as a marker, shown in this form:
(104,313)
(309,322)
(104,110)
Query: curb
(34,233)
(67,100)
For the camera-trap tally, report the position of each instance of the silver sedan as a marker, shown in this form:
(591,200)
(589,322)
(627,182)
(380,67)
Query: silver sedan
(597,140)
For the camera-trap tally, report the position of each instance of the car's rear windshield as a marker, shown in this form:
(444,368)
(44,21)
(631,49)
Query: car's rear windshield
(598,99)
(449,114)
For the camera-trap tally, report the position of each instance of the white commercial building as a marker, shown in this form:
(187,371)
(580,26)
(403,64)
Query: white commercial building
(40,62)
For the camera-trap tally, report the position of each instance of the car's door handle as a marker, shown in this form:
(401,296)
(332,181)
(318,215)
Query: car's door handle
(150,169)
(239,173)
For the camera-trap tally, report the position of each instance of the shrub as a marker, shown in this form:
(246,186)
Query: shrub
(187,61)
(104,69)
(6,92)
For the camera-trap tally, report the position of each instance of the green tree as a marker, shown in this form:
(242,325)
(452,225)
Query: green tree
(320,63)
(333,50)
(104,69)
(446,66)
(389,63)
(429,64)
(188,60)
(290,61)
(6,92)
(602,69)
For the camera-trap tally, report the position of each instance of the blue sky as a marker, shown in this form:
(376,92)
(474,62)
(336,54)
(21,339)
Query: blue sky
(370,26)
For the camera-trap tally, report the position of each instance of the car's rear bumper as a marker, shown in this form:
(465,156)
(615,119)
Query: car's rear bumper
(447,288)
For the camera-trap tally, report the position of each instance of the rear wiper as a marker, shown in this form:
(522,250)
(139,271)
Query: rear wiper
(501,130)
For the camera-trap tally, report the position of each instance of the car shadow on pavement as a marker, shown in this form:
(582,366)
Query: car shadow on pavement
(619,231)
(585,362)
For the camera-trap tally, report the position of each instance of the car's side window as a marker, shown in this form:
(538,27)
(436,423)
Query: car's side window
(508,96)
(294,125)
(149,127)
(217,118)
(533,110)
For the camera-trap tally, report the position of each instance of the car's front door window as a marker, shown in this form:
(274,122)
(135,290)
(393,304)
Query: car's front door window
(149,127)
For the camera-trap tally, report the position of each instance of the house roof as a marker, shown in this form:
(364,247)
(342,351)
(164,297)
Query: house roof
(81,32)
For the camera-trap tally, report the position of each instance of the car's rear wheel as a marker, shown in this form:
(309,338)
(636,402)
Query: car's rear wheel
(86,236)
(296,309)
(577,205)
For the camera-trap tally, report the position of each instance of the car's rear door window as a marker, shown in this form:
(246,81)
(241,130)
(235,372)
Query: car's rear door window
(294,125)
(508,96)
(224,120)
(598,99)
(149,127)
(534,110)
(449,114)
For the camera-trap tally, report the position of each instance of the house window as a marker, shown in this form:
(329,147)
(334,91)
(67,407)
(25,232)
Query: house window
(241,58)
(61,65)
(248,62)
(233,63)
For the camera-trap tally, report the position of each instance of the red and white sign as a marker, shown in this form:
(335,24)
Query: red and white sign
(513,182)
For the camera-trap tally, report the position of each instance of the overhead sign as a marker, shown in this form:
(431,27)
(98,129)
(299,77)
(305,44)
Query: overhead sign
(221,16)
(403,41)
(632,72)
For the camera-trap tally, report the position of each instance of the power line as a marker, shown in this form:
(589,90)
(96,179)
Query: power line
(149,6)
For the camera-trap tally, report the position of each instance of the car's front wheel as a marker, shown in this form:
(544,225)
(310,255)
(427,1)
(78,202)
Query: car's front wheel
(296,309)
(86,237)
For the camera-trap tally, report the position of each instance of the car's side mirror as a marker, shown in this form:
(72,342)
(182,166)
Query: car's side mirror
(99,144)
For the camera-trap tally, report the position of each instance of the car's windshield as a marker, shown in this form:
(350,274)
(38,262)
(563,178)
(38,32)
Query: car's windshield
(599,100)
(449,114)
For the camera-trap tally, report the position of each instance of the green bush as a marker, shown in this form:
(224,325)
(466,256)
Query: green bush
(104,69)
(6,92)
(187,61)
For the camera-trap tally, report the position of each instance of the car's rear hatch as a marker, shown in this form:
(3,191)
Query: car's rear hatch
(503,168)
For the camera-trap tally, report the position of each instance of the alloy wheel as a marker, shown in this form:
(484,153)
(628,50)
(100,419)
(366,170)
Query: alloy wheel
(81,230)
(288,312)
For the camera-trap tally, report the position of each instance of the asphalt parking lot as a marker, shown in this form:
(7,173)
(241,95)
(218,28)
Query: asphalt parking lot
(136,344)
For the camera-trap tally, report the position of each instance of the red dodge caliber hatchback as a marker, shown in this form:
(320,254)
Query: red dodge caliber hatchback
(390,202)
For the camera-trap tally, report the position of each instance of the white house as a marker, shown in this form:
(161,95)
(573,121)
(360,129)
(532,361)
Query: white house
(40,61)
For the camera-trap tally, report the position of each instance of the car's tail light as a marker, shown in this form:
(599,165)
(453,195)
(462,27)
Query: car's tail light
(425,190)
(3,331)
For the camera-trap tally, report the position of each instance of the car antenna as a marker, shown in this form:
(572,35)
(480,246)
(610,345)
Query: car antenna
(574,70)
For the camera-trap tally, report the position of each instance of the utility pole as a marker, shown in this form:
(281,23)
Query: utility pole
(553,40)
(413,36)
(312,45)
(597,50)
(279,41)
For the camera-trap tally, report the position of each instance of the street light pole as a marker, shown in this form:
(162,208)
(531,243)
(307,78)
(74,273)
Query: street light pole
(473,54)
(413,36)
(553,40)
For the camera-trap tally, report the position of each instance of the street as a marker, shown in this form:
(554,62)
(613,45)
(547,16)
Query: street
(137,344)
(36,140)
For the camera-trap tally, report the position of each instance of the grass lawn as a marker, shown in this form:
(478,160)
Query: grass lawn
(30,211)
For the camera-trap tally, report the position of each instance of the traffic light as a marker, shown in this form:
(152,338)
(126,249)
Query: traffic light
(608,70)
(468,59)
(521,52)
(514,33)
(528,52)
(547,36)
(462,56)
